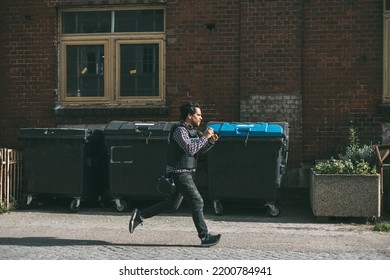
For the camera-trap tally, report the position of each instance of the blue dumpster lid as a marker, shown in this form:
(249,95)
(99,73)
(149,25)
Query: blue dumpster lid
(247,129)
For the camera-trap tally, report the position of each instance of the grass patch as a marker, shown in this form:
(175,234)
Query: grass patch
(382,227)
(3,207)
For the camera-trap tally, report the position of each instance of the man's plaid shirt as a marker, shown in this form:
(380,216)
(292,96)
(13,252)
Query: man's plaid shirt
(190,146)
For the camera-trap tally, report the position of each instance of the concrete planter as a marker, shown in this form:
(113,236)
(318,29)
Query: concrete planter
(345,195)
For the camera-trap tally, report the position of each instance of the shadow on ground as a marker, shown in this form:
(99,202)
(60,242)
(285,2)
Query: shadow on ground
(294,207)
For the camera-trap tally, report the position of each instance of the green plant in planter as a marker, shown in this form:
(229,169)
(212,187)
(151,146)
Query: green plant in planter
(357,159)
(356,153)
(347,166)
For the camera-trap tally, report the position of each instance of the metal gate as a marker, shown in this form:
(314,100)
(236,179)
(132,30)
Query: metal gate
(10,177)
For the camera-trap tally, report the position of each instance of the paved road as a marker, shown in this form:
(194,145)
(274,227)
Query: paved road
(100,233)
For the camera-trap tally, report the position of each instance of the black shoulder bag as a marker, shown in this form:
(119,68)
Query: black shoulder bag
(165,185)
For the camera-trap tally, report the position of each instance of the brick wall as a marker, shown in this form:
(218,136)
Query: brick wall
(271,65)
(342,73)
(326,55)
(316,64)
(202,62)
(28,76)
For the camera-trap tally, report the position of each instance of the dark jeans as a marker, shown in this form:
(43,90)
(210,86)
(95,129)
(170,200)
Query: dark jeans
(185,188)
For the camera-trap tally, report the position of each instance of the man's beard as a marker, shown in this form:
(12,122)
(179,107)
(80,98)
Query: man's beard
(194,124)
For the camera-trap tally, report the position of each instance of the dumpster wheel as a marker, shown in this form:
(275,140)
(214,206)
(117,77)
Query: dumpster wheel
(218,208)
(273,210)
(75,204)
(26,201)
(120,204)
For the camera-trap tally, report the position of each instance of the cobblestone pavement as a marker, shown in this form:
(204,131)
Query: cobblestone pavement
(99,233)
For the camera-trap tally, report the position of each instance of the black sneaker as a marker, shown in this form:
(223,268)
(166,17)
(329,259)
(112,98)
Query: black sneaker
(210,240)
(135,220)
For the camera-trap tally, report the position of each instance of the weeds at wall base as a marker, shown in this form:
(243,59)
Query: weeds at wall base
(384,227)
(4,208)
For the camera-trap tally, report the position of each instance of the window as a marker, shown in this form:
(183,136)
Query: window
(386,52)
(112,56)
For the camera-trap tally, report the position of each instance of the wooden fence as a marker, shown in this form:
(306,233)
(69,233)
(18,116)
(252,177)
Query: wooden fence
(10,177)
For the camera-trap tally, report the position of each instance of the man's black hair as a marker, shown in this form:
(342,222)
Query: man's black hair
(188,108)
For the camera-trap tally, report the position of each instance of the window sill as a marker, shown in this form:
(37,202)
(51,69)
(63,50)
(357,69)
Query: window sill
(111,110)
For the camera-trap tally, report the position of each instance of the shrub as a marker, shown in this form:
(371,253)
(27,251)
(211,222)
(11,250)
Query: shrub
(357,153)
(356,159)
(344,166)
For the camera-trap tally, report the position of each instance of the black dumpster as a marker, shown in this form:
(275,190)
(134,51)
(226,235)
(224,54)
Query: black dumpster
(63,161)
(247,163)
(137,158)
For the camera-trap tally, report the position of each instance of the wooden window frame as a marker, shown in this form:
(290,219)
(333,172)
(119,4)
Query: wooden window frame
(386,54)
(63,78)
(141,99)
(111,43)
